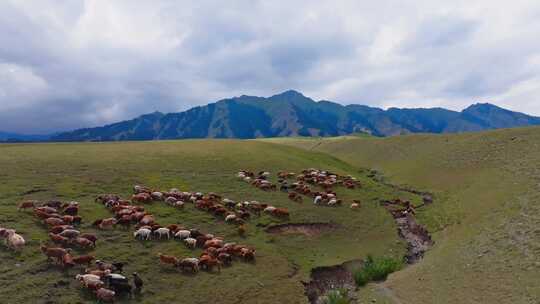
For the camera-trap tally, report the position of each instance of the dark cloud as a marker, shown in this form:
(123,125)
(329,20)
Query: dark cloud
(70,64)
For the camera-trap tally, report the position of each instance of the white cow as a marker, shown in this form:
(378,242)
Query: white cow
(183,234)
(163,232)
(190,243)
(143,234)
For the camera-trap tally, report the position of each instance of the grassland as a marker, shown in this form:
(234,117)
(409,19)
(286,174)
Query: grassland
(485,218)
(80,171)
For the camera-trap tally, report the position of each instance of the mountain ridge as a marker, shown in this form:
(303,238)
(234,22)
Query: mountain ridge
(290,113)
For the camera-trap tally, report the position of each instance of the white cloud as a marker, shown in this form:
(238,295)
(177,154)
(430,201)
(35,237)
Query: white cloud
(84,63)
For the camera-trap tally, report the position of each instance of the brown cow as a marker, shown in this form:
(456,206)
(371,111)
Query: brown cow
(207,262)
(107,223)
(59,239)
(83,259)
(67,261)
(90,237)
(60,228)
(27,205)
(105,295)
(167,259)
(54,252)
(51,222)
(141,198)
(83,242)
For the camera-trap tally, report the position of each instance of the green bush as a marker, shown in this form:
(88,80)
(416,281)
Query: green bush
(376,270)
(337,296)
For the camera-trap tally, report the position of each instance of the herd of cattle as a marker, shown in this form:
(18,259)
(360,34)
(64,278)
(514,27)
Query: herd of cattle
(303,185)
(216,252)
(106,280)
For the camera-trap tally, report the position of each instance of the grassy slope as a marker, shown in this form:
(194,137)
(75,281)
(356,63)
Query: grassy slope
(81,171)
(486,214)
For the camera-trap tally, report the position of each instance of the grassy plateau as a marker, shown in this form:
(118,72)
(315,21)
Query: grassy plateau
(81,171)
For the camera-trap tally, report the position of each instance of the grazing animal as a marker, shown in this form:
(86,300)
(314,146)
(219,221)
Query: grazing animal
(225,258)
(54,252)
(138,282)
(230,218)
(182,234)
(143,234)
(70,233)
(141,198)
(52,221)
(269,209)
(60,228)
(58,239)
(107,223)
(104,266)
(83,259)
(190,242)
(167,259)
(355,206)
(171,200)
(71,210)
(280,212)
(83,242)
(14,240)
(207,262)
(94,285)
(147,220)
(67,261)
(85,278)
(190,263)
(27,205)
(91,237)
(105,295)
(163,232)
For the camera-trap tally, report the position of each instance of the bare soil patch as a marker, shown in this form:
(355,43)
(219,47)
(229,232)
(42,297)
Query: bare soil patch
(324,279)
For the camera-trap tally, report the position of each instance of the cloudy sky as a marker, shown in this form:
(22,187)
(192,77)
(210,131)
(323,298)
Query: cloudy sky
(68,64)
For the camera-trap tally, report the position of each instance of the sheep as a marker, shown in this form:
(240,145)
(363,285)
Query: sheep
(230,218)
(85,278)
(355,206)
(163,231)
(269,209)
(317,200)
(332,202)
(171,200)
(183,234)
(179,204)
(14,240)
(156,195)
(143,234)
(190,242)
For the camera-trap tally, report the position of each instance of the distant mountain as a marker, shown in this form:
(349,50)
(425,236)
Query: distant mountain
(15,137)
(292,114)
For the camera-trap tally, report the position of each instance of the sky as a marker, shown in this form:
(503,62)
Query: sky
(68,64)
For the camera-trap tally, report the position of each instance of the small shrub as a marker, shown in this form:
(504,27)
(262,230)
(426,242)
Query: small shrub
(376,270)
(337,296)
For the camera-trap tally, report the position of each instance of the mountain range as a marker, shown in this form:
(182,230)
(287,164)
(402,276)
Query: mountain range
(293,114)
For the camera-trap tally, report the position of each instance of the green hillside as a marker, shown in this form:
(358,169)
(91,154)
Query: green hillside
(485,216)
(81,171)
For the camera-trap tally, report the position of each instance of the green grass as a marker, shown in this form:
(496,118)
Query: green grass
(485,217)
(376,269)
(80,171)
(337,296)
